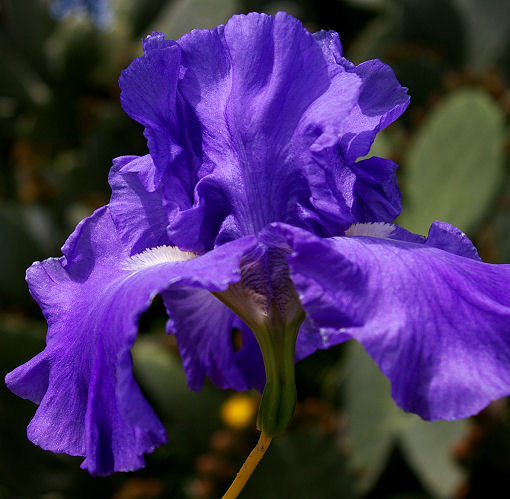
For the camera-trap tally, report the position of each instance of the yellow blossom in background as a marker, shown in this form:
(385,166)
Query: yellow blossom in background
(238,411)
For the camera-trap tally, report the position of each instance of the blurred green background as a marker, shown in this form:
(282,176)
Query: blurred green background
(61,124)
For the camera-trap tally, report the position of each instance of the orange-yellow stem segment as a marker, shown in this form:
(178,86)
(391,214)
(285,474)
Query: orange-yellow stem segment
(248,467)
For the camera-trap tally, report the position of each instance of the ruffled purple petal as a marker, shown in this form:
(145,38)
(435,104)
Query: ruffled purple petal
(149,96)
(329,41)
(90,404)
(376,193)
(203,327)
(447,237)
(139,215)
(381,101)
(441,235)
(249,147)
(257,126)
(436,323)
(368,188)
(310,339)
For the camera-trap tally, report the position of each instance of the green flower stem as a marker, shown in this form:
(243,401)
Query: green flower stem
(276,330)
(277,342)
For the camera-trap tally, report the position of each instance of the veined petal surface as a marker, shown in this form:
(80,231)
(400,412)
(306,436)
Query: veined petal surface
(259,121)
(203,327)
(381,100)
(89,403)
(139,215)
(436,322)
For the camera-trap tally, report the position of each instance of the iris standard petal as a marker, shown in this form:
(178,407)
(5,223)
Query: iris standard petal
(90,404)
(436,323)
(369,190)
(376,194)
(258,126)
(381,101)
(331,46)
(149,96)
(139,215)
(260,113)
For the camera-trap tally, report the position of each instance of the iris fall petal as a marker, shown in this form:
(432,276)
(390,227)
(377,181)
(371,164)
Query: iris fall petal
(89,402)
(437,323)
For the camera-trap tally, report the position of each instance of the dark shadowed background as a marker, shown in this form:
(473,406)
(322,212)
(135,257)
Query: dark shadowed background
(60,126)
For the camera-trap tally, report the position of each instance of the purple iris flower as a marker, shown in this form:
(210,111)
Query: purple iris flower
(252,210)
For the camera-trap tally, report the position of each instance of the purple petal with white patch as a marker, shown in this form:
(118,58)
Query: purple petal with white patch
(89,402)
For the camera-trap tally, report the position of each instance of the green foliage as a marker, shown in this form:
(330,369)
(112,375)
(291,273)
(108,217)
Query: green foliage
(501,228)
(455,163)
(488,25)
(20,248)
(373,419)
(434,26)
(422,41)
(375,425)
(368,4)
(182,16)
(429,450)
